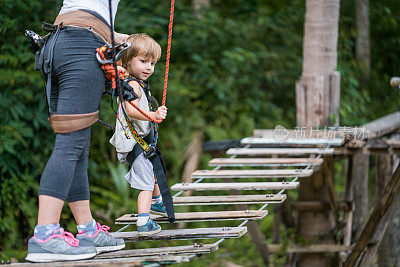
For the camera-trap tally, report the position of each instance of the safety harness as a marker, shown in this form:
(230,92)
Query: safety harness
(146,145)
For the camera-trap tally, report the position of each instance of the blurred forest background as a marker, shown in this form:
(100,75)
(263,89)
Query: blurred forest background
(234,67)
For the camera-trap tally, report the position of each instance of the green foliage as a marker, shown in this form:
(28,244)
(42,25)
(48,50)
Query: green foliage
(363,103)
(233,69)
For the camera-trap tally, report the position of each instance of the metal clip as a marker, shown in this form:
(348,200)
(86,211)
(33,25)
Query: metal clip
(150,153)
(35,41)
(121,49)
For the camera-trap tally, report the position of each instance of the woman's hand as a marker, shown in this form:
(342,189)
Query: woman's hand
(121,69)
(160,113)
(120,37)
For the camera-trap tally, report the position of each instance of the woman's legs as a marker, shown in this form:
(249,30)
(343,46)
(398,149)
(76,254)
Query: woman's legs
(78,196)
(67,167)
(81,211)
(49,210)
(79,83)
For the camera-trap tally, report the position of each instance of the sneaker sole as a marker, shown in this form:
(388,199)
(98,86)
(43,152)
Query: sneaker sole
(50,257)
(141,234)
(110,248)
(159,213)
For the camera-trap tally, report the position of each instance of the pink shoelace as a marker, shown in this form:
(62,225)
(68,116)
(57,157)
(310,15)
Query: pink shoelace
(100,228)
(67,236)
(103,228)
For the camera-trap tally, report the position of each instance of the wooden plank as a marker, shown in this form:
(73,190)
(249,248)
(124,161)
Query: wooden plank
(293,141)
(200,216)
(283,173)
(181,234)
(229,199)
(265,162)
(121,262)
(302,133)
(194,249)
(384,125)
(321,248)
(236,186)
(279,151)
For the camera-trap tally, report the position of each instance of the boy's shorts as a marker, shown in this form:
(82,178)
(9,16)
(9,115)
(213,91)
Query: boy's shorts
(141,174)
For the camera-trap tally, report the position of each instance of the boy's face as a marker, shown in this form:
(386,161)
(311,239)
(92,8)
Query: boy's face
(141,67)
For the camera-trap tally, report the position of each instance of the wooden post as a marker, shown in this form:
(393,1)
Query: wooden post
(360,174)
(277,222)
(389,248)
(348,197)
(317,97)
(377,217)
(315,226)
(192,156)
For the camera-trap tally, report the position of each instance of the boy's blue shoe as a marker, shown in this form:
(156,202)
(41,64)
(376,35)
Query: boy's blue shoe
(150,228)
(159,208)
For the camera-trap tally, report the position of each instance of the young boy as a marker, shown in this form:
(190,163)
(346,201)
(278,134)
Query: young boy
(139,61)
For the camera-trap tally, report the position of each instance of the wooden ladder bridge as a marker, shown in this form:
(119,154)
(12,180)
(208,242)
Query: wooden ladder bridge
(264,167)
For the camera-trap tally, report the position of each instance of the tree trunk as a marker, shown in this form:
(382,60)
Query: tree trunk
(318,90)
(317,98)
(199,4)
(363,50)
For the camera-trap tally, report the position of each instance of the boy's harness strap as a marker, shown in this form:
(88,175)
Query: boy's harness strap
(160,173)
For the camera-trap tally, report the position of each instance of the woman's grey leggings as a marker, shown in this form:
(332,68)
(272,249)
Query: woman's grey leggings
(77,87)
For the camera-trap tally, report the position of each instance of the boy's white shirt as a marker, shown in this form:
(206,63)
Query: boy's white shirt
(122,144)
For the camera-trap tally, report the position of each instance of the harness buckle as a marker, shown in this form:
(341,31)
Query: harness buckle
(48,27)
(150,153)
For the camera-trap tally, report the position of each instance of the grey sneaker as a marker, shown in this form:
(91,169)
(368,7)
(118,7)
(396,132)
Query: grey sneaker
(102,240)
(60,246)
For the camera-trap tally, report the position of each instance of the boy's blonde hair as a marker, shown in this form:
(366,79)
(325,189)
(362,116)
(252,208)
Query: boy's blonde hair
(141,45)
